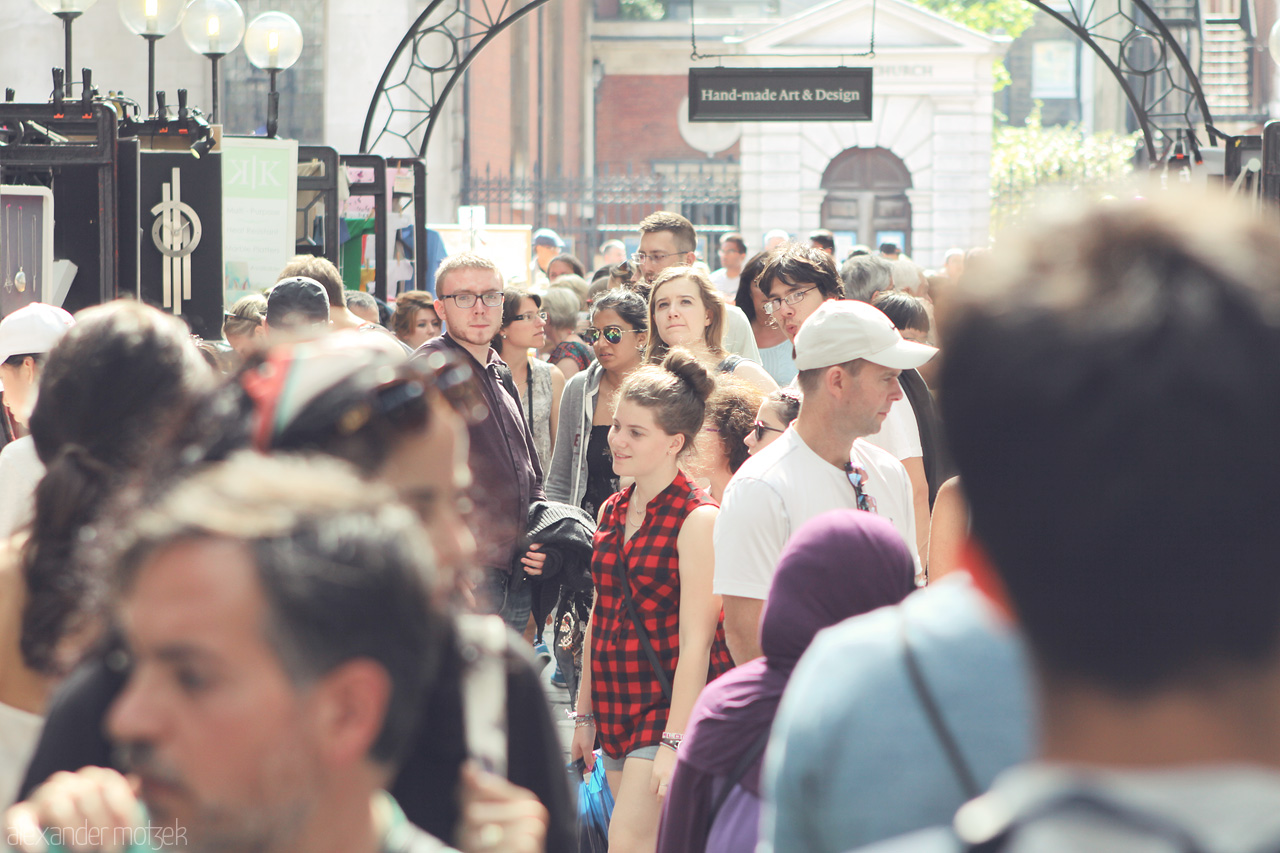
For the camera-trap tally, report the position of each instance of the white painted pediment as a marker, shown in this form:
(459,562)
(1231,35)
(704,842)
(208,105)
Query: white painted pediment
(845,25)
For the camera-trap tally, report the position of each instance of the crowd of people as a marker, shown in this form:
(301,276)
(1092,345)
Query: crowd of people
(808,586)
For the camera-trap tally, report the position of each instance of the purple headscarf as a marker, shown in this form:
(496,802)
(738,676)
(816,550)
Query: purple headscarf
(839,564)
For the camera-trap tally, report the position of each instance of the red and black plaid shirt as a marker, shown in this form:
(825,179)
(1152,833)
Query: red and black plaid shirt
(626,697)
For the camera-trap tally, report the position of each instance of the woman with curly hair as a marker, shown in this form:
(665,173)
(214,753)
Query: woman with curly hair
(722,444)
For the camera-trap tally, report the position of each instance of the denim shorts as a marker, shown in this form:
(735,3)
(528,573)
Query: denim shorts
(614,765)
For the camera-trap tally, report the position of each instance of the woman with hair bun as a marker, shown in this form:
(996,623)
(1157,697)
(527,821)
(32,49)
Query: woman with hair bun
(656,635)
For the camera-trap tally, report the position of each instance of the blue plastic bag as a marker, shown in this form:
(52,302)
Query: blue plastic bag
(595,806)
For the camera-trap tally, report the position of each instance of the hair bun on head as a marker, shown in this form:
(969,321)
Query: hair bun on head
(683,364)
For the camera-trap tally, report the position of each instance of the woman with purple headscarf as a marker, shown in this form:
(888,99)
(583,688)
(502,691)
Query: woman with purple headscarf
(837,565)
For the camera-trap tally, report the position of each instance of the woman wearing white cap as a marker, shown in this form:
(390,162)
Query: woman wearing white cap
(26,336)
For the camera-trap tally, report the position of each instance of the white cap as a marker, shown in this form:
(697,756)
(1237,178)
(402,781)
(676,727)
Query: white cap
(33,329)
(844,329)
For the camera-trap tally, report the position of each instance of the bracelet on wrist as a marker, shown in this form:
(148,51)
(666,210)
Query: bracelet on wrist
(581,720)
(672,739)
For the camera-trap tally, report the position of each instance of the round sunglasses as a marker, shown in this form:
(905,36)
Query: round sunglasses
(612,334)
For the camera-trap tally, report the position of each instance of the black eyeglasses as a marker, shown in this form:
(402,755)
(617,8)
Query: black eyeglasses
(792,298)
(762,428)
(858,477)
(541,315)
(492,299)
(612,334)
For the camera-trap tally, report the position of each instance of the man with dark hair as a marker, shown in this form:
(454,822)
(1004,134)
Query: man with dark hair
(866,275)
(668,240)
(823,240)
(795,281)
(506,476)
(733,253)
(297,306)
(278,620)
(890,251)
(321,270)
(1126,336)
(849,356)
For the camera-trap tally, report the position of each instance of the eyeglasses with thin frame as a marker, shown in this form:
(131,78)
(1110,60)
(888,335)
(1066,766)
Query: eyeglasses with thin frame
(612,334)
(858,478)
(541,315)
(792,298)
(761,428)
(656,257)
(492,299)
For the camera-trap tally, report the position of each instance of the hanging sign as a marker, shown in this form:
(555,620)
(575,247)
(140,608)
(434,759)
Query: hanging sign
(780,94)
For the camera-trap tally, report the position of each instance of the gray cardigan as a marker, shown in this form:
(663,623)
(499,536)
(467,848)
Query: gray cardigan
(567,475)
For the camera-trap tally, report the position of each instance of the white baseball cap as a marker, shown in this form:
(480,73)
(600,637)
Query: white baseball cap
(844,329)
(33,329)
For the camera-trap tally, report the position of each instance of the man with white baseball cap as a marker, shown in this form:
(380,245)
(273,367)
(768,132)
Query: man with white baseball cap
(26,336)
(849,355)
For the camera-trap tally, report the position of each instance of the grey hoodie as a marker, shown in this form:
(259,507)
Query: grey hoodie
(567,475)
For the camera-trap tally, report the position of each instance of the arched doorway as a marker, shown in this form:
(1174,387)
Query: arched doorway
(867,197)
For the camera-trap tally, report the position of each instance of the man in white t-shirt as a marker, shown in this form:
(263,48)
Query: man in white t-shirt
(733,253)
(26,336)
(849,356)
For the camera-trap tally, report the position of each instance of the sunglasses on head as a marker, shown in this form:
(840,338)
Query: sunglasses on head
(612,334)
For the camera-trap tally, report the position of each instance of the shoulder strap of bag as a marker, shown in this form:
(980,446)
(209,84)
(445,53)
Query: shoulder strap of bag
(960,767)
(736,775)
(645,642)
(483,643)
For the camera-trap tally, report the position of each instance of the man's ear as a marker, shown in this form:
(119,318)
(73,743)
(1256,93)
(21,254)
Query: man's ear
(438,305)
(351,706)
(690,258)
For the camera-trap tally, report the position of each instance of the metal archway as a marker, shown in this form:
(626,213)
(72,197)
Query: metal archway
(1147,60)
(426,66)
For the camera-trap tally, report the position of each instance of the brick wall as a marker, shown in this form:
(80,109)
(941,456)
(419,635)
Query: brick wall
(636,123)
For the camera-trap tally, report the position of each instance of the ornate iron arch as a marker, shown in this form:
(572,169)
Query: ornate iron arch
(1136,45)
(1148,62)
(426,66)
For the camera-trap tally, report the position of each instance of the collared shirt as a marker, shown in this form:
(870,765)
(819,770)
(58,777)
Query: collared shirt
(505,475)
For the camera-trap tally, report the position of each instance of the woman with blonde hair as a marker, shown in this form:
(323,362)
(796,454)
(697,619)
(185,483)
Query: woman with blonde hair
(686,310)
(240,325)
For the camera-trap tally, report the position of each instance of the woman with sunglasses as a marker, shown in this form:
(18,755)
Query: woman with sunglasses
(581,470)
(686,310)
(776,413)
(402,424)
(524,330)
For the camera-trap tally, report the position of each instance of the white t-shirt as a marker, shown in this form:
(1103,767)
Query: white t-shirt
(19,733)
(20,471)
(899,434)
(782,487)
(738,337)
(725,283)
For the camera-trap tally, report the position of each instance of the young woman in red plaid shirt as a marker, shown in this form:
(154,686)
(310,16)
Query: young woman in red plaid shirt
(653,541)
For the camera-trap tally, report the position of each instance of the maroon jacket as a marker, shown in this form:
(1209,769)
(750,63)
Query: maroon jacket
(505,476)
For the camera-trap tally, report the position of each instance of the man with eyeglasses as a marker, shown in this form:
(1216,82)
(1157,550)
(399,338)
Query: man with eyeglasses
(506,476)
(849,356)
(668,240)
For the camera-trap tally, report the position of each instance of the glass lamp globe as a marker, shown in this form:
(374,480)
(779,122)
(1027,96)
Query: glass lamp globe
(213,27)
(57,7)
(152,17)
(273,41)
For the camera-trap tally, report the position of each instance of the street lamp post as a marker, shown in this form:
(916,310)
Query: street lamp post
(273,43)
(66,11)
(153,20)
(213,28)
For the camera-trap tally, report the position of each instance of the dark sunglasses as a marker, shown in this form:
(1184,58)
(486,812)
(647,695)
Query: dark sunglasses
(762,428)
(612,334)
(858,477)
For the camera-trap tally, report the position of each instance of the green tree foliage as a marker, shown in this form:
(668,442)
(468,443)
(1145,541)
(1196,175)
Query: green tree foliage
(643,10)
(1029,160)
(993,17)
